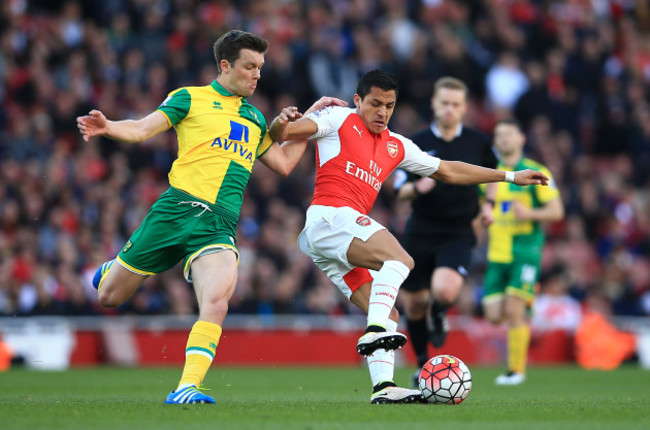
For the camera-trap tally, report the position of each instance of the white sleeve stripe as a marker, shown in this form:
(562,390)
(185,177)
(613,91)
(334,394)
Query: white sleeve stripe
(417,161)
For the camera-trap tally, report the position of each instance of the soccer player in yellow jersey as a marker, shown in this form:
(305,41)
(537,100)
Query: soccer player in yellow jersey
(220,135)
(516,239)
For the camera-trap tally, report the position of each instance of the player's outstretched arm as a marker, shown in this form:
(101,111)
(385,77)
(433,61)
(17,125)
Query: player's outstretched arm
(285,128)
(130,131)
(459,173)
(283,158)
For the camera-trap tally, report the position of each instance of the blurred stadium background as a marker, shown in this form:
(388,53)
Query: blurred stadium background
(574,72)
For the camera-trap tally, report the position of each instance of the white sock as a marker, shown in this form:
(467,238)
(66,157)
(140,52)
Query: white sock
(381,365)
(383,291)
(390,325)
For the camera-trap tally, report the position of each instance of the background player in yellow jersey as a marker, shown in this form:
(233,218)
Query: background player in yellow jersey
(220,135)
(516,239)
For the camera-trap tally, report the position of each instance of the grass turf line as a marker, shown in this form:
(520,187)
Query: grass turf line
(318,398)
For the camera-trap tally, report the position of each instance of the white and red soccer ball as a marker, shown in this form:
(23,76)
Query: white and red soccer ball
(445,379)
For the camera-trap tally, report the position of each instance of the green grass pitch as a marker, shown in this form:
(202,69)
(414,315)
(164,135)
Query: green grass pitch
(318,398)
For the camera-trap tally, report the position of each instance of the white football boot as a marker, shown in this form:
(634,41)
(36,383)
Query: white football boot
(372,341)
(396,395)
(510,378)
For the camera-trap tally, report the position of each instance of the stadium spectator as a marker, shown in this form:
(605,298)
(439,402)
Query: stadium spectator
(38,107)
(505,82)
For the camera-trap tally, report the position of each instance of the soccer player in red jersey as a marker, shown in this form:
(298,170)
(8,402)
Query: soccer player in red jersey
(355,154)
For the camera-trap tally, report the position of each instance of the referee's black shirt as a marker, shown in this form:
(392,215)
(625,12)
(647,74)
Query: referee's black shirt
(449,209)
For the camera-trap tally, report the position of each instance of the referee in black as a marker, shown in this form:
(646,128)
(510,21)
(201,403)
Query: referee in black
(438,233)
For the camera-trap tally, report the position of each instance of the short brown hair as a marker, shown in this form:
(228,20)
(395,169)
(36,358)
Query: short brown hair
(450,83)
(229,45)
(511,122)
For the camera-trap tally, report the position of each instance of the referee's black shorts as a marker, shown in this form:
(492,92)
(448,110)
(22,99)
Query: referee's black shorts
(433,251)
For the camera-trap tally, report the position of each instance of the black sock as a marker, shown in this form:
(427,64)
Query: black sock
(374,329)
(439,308)
(422,359)
(383,385)
(419,336)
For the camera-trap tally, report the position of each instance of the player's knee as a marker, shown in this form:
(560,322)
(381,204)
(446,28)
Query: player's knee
(445,296)
(494,318)
(215,306)
(494,321)
(108,298)
(407,260)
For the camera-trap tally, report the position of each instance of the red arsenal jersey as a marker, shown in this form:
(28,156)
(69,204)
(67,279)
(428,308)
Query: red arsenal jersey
(352,163)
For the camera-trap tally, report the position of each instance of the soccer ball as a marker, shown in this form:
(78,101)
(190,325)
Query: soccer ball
(445,379)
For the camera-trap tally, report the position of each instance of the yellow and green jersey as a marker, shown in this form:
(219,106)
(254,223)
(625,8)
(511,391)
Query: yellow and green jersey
(511,239)
(220,135)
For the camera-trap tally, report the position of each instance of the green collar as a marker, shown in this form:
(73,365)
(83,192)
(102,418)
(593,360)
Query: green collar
(221,90)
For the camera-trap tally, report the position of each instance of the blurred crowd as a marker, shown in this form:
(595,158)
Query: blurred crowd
(574,72)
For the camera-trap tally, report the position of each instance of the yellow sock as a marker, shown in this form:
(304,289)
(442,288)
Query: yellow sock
(199,352)
(518,340)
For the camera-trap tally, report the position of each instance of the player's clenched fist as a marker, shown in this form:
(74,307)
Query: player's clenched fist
(289,114)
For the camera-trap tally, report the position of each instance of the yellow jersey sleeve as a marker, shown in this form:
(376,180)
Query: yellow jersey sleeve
(266,143)
(176,106)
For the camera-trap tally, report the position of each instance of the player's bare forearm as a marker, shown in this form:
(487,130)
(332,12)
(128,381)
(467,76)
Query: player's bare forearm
(549,212)
(460,173)
(490,191)
(125,131)
(279,129)
(410,190)
(282,159)
(129,131)
(137,131)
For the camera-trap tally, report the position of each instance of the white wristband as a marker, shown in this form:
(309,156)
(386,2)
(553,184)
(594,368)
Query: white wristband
(510,177)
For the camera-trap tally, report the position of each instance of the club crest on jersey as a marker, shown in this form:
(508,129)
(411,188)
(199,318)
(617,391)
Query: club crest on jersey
(363,221)
(320,112)
(392,148)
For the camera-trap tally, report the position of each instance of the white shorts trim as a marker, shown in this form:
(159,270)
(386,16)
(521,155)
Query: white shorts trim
(327,236)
